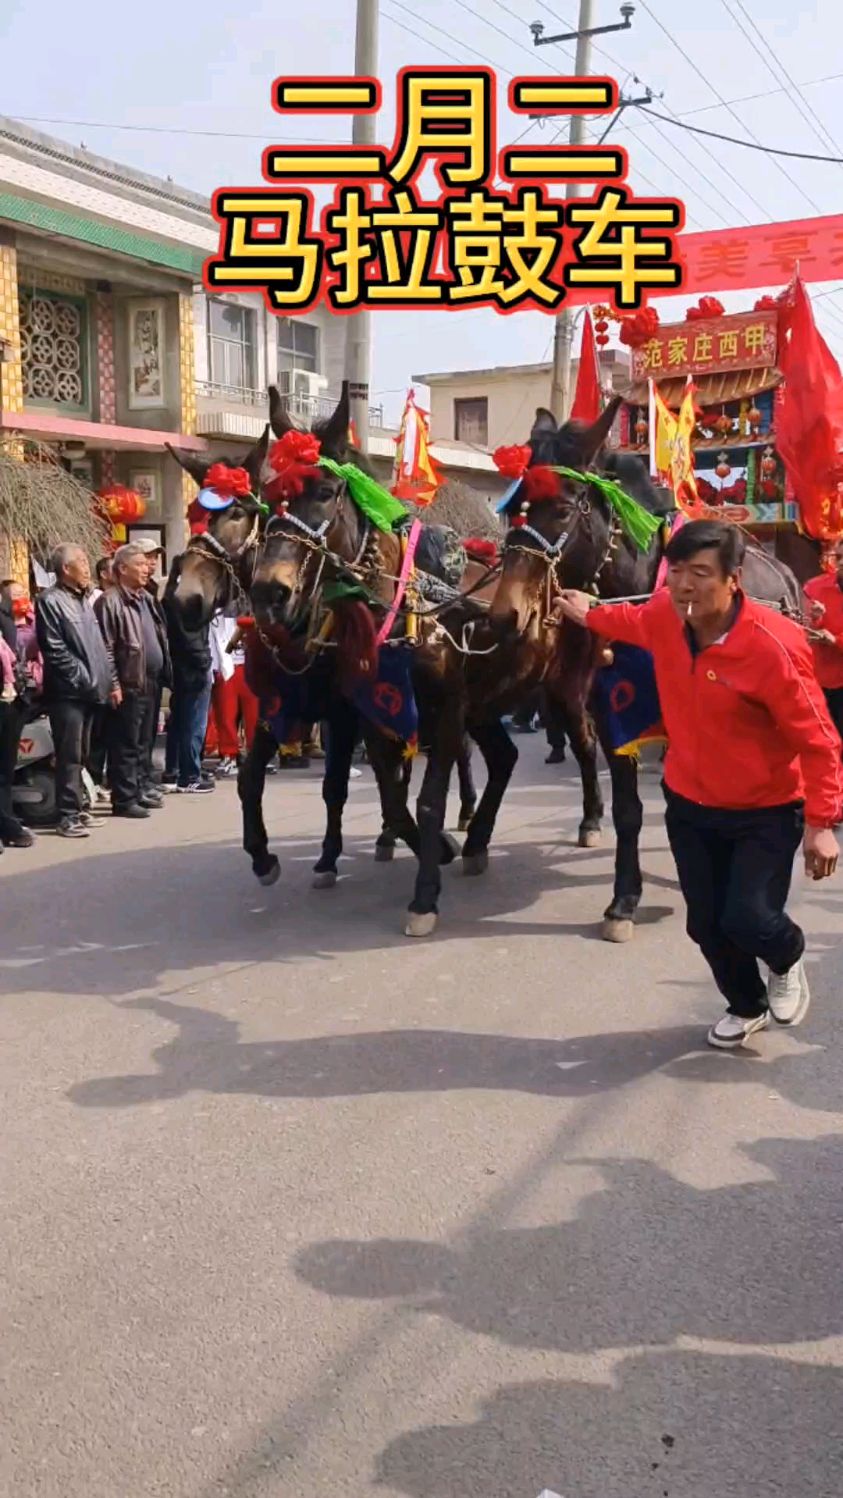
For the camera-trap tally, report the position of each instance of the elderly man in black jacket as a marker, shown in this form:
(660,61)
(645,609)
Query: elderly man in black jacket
(77,679)
(136,643)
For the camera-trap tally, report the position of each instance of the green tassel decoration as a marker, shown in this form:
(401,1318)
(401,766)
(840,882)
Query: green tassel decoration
(377,504)
(638,523)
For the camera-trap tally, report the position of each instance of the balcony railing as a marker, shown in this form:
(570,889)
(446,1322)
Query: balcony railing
(304,408)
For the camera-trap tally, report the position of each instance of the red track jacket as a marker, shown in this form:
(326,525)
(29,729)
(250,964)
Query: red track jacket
(828,659)
(747,722)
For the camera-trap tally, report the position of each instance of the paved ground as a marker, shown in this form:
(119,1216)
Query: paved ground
(296,1207)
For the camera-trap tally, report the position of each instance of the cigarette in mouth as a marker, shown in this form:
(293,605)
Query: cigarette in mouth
(689,610)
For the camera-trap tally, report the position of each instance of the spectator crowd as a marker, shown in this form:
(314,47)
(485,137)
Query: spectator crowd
(97,655)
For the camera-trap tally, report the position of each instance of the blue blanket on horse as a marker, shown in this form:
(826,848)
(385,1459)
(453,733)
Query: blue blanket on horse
(628,699)
(389,702)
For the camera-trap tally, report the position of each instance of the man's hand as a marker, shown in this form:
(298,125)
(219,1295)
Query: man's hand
(817,610)
(573,605)
(116,697)
(821,852)
(826,636)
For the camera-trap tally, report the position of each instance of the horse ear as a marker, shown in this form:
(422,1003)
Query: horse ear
(334,431)
(590,439)
(254,459)
(192,463)
(544,425)
(278,418)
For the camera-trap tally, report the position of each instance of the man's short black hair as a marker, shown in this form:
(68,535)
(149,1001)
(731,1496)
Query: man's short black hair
(102,566)
(709,535)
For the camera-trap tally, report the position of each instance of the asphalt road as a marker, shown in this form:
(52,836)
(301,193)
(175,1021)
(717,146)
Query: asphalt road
(294,1206)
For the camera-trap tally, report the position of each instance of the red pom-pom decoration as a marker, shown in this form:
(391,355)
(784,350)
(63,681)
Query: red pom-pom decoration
(512,461)
(766,304)
(228,483)
(639,327)
(540,483)
(293,457)
(707,306)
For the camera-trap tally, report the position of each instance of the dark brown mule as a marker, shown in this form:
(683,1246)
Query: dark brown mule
(324,535)
(216,566)
(574,540)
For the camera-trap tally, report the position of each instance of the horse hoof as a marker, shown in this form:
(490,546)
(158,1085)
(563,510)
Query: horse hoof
(590,837)
(271,874)
(618,930)
(474,864)
(384,852)
(421,925)
(324,879)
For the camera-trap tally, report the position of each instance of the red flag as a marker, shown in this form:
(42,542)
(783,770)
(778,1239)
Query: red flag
(809,418)
(587,404)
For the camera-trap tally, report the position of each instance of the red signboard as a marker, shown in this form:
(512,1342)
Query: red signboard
(750,257)
(746,340)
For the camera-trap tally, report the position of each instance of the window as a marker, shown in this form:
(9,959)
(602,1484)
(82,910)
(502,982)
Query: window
(231,344)
(471,421)
(298,344)
(54,339)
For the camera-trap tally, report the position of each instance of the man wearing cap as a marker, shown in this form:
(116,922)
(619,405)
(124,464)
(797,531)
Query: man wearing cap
(137,650)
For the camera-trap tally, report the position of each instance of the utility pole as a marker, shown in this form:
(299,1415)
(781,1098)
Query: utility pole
(563,336)
(358,338)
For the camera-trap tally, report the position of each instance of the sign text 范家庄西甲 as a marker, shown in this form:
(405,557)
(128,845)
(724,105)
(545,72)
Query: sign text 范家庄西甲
(714,345)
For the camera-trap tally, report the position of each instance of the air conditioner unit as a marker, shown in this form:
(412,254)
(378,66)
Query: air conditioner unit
(301,382)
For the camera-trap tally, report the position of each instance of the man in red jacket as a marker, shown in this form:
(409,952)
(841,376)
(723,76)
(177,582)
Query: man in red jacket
(826,595)
(752,768)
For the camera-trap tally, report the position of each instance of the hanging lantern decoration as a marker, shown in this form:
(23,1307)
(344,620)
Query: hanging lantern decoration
(601,332)
(723,424)
(755,418)
(722,470)
(707,306)
(122,506)
(642,428)
(768,463)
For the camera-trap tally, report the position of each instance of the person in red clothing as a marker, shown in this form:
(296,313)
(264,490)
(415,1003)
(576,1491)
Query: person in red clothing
(752,767)
(826,595)
(231,699)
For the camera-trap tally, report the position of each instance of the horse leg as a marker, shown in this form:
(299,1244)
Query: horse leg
(342,733)
(584,746)
(501,757)
(251,778)
(628,817)
(394,797)
(468,793)
(431,809)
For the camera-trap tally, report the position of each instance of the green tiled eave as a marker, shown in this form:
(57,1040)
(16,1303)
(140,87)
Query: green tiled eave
(104,236)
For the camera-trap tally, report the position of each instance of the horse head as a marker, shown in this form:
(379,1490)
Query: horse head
(217,563)
(558,532)
(313,524)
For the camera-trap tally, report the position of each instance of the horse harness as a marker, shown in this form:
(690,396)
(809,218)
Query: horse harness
(551,553)
(211,550)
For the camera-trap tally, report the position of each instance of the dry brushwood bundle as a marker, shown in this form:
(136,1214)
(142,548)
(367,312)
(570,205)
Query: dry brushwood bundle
(467,511)
(42,504)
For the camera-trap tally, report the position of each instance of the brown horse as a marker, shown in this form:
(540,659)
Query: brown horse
(573,539)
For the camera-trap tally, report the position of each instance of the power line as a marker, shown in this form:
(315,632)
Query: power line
(43,119)
(767,93)
(689,60)
(808,113)
(402,25)
(479,16)
(748,145)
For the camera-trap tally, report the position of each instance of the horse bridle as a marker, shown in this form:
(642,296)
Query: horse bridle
(551,552)
(211,550)
(314,539)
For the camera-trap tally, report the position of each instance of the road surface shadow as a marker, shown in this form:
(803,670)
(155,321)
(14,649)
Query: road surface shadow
(121,920)
(670,1424)
(646,1260)
(207,1056)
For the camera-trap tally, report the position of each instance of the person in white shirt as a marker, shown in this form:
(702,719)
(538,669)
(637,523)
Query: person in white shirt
(232,703)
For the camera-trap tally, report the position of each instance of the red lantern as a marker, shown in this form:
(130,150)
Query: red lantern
(123,506)
(642,428)
(601,326)
(601,339)
(723,425)
(754,417)
(768,463)
(722,470)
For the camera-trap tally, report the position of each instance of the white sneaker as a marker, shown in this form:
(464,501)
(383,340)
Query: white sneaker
(733,1030)
(788,994)
(354,773)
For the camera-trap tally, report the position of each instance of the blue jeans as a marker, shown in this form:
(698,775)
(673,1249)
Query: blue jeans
(186,731)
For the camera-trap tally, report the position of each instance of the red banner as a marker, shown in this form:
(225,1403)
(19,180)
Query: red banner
(745,340)
(750,257)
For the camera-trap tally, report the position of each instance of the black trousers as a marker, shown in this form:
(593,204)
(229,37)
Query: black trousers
(126,749)
(98,752)
(834,698)
(735,869)
(12,718)
(149,732)
(70,723)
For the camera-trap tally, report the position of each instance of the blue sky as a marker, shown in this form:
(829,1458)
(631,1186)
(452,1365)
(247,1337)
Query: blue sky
(205,65)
